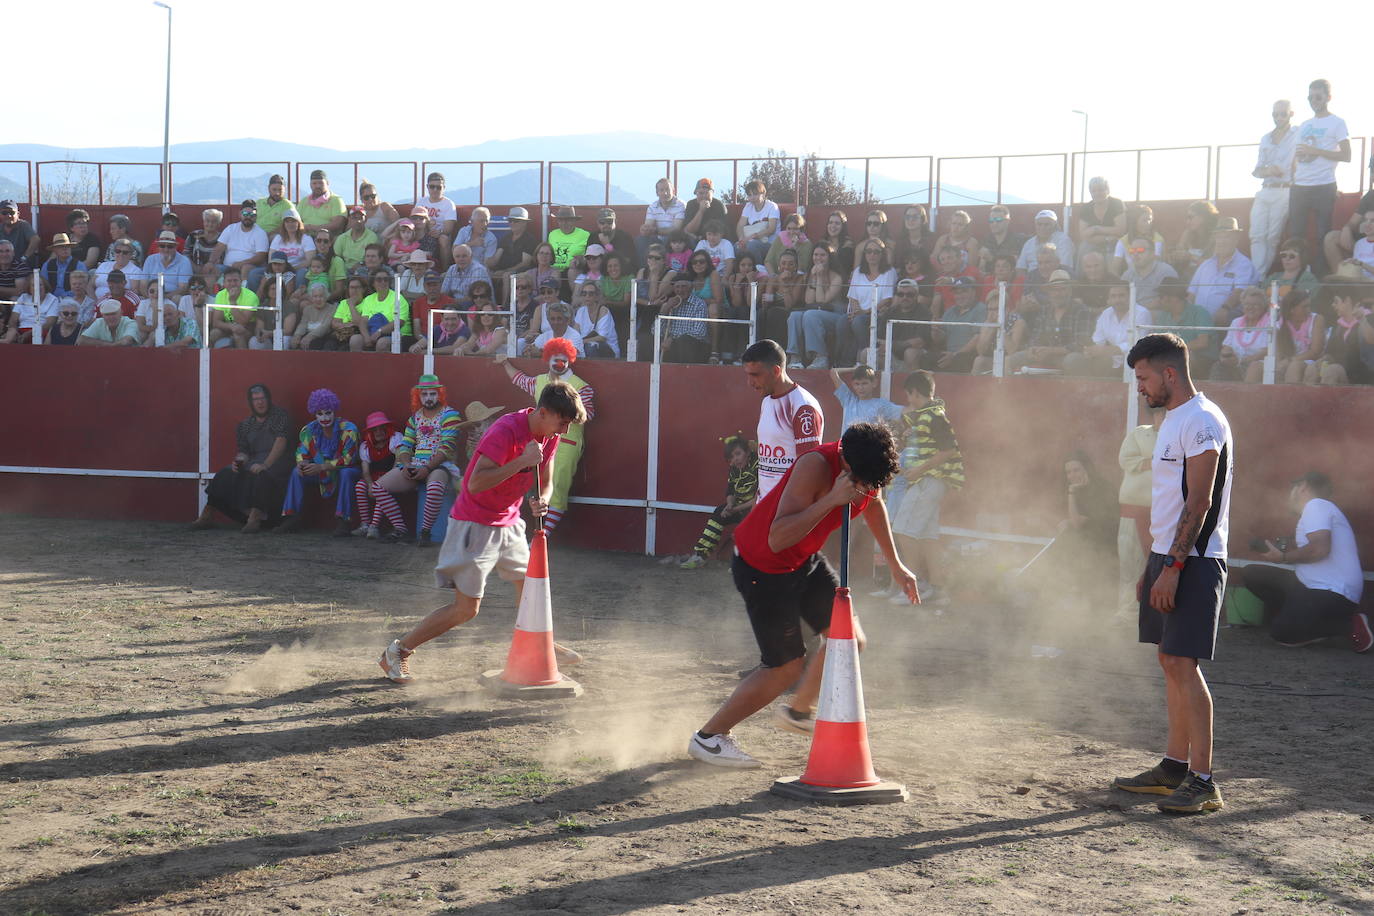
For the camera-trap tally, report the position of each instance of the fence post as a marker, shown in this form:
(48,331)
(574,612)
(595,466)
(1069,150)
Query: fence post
(395,319)
(203,410)
(999,346)
(277,328)
(651,480)
(754,313)
(510,332)
(429,345)
(34,288)
(632,345)
(887,365)
(160,332)
(1271,354)
(1127,374)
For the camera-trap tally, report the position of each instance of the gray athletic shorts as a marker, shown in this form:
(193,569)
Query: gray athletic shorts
(1190,631)
(472,550)
(918,515)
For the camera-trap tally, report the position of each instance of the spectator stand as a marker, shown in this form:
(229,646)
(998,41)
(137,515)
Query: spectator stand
(999,353)
(511,338)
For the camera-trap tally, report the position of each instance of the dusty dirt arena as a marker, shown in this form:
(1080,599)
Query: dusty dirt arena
(194,723)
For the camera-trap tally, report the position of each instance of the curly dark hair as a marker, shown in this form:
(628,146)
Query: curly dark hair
(871,453)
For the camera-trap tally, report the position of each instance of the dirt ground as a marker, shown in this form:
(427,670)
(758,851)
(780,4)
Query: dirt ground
(195,723)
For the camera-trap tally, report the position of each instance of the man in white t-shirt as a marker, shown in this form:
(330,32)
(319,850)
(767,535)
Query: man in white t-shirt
(242,245)
(1111,338)
(1320,596)
(1185,577)
(1274,169)
(790,419)
(1323,141)
(559,315)
(443,217)
(758,221)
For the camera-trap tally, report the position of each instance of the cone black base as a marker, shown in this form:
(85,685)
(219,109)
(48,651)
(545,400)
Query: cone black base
(564,689)
(884,793)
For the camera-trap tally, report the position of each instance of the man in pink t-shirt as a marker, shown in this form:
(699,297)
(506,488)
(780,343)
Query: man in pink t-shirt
(485,531)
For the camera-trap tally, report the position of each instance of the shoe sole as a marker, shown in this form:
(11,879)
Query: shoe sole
(1361,633)
(1146,790)
(785,722)
(729,762)
(1211,804)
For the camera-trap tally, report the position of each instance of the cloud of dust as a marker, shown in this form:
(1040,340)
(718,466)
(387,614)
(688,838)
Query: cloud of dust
(279,669)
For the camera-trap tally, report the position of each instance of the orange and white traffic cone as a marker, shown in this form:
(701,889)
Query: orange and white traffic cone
(531,668)
(839,770)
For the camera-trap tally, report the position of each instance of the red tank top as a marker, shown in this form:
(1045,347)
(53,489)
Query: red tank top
(751,537)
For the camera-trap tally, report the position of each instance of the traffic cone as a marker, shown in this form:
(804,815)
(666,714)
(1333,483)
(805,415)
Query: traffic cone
(839,770)
(531,668)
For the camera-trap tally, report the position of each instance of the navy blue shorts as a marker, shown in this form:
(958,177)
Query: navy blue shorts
(1190,631)
(778,602)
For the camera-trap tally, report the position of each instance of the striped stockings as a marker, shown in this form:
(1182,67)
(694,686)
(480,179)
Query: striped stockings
(386,505)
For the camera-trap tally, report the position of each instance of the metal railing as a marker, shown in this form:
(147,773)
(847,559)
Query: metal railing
(282,168)
(538,165)
(554,196)
(734,170)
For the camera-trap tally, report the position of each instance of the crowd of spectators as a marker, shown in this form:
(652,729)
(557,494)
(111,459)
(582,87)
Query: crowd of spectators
(375,277)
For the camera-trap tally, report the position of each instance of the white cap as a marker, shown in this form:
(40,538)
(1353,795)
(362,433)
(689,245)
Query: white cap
(1047,214)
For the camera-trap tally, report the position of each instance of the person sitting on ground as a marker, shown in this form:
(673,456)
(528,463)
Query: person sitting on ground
(1218,282)
(488,332)
(558,315)
(314,327)
(960,238)
(1246,342)
(1046,230)
(1112,337)
(560,357)
(327,454)
(568,239)
(250,490)
(426,458)
(1320,597)
(377,455)
(1062,326)
(1190,322)
(931,465)
(595,322)
(321,208)
(179,331)
(741,492)
(1302,338)
(112,329)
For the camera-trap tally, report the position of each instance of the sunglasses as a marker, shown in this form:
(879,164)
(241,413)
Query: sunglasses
(67,314)
(874,222)
(124,251)
(1137,250)
(1288,254)
(655,257)
(369,197)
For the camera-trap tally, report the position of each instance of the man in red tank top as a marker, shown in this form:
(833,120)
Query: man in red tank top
(784,578)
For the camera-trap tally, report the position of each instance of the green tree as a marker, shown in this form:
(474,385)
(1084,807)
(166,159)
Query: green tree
(820,179)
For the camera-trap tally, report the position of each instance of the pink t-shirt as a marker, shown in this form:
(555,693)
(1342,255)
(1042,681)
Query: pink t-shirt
(503,443)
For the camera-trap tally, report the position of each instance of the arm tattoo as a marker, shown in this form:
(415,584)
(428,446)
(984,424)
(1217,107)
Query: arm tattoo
(1189,526)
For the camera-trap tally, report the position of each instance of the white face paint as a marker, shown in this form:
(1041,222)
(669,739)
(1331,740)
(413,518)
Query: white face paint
(558,365)
(429,399)
(324,417)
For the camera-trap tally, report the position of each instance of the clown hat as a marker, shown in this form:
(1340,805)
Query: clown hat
(377,418)
(429,381)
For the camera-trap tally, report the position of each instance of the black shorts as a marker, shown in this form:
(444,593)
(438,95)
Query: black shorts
(1190,631)
(778,602)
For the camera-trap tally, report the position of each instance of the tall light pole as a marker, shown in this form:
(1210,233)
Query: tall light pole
(167,118)
(1083,175)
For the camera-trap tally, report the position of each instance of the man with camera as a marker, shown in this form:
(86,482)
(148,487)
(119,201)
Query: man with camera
(1319,598)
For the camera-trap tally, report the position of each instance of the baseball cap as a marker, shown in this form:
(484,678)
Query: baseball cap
(419,210)
(595,249)
(8,205)
(1047,214)
(279,257)
(909,283)
(1060,276)
(318,173)
(108,307)
(605,213)
(549,283)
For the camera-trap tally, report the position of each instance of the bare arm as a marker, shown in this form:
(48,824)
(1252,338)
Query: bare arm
(809,497)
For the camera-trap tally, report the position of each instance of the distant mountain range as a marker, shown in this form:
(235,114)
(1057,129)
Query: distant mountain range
(574,179)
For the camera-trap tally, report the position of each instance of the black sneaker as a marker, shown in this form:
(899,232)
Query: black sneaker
(424,540)
(1194,795)
(1154,781)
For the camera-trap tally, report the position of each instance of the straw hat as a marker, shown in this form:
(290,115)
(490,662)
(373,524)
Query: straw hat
(477,412)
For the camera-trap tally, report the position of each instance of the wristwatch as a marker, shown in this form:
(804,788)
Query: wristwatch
(1170,562)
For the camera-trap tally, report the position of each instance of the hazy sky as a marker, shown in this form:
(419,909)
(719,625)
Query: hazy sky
(965,79)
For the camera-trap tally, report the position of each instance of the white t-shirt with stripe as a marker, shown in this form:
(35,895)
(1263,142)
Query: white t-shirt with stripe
(1188,430)
(789,426)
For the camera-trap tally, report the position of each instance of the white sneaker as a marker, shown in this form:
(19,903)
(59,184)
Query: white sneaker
(721,751)
(796,364)
(395,663)
(695,561)
(373,533)
(820,362)
(360,531)
(883,592)
(789,720)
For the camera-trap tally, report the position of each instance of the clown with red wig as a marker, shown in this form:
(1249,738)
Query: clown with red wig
(425,459)
(559,354)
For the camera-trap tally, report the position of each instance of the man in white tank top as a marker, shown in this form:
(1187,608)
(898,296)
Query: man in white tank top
(790,418)
(1180,594)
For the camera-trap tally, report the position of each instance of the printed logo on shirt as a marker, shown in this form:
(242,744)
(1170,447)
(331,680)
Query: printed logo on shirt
(771,451)
(1165,455)
(1205,435)
(808,425)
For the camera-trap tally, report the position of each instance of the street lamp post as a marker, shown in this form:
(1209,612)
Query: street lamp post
(167,118)
(1083,174)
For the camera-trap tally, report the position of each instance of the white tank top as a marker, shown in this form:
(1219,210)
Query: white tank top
(789,426)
